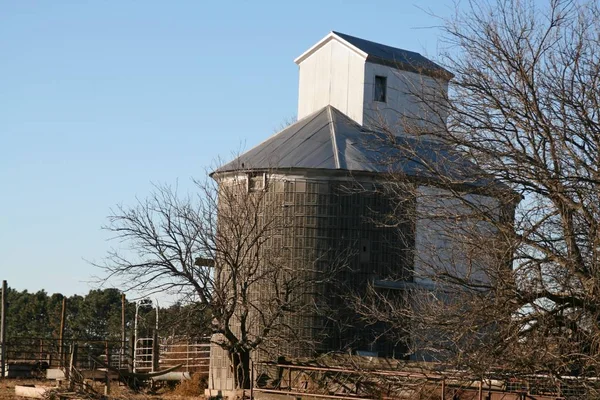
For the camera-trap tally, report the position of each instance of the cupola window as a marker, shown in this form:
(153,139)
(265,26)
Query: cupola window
(380,88)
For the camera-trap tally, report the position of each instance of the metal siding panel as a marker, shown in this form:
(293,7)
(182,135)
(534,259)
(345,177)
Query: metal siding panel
(332,75)
(367,93)
(306,89)
(356,81)
(322,76)
(400,102)
(339,76)
(303,88)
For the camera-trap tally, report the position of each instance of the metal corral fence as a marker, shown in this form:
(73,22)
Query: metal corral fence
(345,383)
(26,356)
(192,355)
(32,354)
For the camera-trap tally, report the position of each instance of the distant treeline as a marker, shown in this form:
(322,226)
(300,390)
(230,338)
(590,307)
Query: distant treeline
(95,316)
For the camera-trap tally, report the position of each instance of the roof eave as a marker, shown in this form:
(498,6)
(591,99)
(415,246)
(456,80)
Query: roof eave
(437,73)
(331,36)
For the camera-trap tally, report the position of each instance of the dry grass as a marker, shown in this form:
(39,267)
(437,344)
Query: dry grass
(192,387)
(7,386)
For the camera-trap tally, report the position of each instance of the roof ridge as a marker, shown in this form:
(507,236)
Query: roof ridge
(336,154)
(345,35)
(295,127)
(347,118)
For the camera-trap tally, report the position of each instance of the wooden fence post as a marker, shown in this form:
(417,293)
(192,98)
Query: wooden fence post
(251,379)
(3,331)
(107,353)
(72,365)
(131,352)
(443,396)
(107,382)
(61,333)
(155,351)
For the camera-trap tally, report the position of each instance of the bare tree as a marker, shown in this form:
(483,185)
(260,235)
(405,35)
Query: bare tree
(217,248)
(510,285)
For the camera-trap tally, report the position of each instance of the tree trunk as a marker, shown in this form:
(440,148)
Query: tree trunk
(241,369)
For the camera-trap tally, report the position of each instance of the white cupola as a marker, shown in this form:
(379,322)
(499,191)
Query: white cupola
(371,83)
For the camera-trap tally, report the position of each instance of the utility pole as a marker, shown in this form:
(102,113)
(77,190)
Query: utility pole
(3,331)
(122,355)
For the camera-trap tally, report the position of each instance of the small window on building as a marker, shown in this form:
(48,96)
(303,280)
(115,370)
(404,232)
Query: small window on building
(256,182)
(380,88)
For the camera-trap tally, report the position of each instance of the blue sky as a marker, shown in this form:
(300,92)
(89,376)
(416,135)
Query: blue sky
(98,99)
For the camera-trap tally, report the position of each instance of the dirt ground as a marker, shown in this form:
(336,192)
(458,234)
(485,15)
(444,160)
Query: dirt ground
(7,391)
(7,387)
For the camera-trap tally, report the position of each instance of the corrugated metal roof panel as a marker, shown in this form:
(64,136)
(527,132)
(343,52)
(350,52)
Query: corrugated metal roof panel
(305,144)
(318,140)
(394,56)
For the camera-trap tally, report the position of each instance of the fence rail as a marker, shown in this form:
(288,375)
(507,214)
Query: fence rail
(191,355)
(195,357)
(43,353)
(52,353)
(356,384)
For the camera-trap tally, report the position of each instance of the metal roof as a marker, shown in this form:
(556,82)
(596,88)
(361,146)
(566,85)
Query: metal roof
(393,56)
(329,140)
(381,54)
